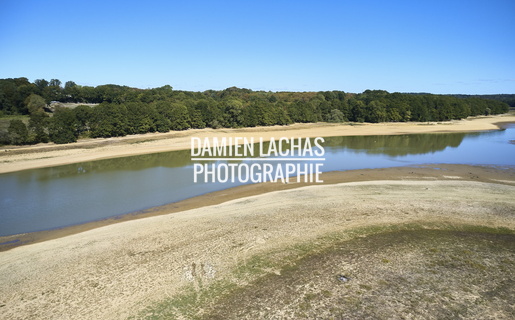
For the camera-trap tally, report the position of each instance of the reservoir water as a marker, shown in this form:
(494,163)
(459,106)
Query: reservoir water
(48,198)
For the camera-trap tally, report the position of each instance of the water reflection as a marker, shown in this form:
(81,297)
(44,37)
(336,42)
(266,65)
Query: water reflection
(388,145)
(400,145)
(46,198)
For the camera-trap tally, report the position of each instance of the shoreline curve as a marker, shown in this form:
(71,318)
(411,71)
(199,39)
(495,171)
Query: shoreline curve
(17,158)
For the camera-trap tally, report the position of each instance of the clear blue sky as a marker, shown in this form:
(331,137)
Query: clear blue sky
(435,46)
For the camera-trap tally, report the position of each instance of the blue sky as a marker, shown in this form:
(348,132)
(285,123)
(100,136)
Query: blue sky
(432,46)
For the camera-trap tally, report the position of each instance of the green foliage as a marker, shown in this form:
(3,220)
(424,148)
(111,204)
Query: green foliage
(336,116)
(140,117)
(375,112)
(179,117)
(162,119)
(357,110)
(35,103)
(196,119)
(123,110)
(18,133)
(233,113)
(13,93)
(172,116)
(63,126)
(505,98)
(83,114)
(41,84)
(70,90)
(38,122)
(303,111)
(109,120)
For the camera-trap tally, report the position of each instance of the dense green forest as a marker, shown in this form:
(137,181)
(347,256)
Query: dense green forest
(123,110)
(507,98)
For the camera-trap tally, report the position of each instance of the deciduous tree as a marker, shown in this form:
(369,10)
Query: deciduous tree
(18,133)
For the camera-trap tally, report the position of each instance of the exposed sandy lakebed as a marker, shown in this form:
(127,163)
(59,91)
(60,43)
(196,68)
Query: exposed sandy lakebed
(190,259)
(122,270)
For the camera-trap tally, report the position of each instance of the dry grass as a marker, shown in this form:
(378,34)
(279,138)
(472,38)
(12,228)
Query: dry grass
(394,272)
(420,274)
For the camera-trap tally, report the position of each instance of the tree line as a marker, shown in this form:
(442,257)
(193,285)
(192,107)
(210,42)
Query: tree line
(124,110)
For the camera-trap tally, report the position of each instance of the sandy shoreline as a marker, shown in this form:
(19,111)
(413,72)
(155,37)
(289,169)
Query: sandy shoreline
(450,172)
(45,155)
(117,270)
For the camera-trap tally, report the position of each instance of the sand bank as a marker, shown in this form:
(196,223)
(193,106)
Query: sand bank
(486,174)
(109,270)
(117,270)
(46,155)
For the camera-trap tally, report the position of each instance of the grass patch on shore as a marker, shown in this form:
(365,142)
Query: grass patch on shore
(6,120)
(392,271)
